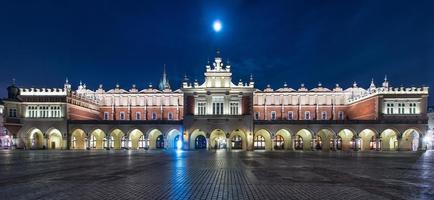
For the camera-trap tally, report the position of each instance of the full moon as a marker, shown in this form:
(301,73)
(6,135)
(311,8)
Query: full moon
(217,26)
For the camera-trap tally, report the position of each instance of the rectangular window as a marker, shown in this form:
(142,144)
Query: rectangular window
(12,112)
(341,115)
(273,115)
(106,116)
(234,108)
(256,115)
(290,115)
(201,108)
(307,115)
(154,116)
(170,116)
(122,116)
(323,115)
(138,116)
(217,105)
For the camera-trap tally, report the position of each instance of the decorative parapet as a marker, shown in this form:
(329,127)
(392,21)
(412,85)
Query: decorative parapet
(43,92)
(390,90)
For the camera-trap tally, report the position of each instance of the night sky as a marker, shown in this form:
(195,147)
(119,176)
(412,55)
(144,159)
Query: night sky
(43,42)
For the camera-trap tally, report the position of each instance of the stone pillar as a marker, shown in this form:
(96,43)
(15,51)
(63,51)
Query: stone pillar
(208,144)
(228,144)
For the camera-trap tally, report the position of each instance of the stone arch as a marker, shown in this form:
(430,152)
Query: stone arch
(367,140)
(137,139)
(194,135)
(78,139)
(171,136)
(55,139)
(266,136)
(241,134)
(324,140)
(154,135)
(303,140)
(287,140)
(97,139)
(410,140)
(389,140)
(35,139)
(217,139)
(346,139)
(116,139)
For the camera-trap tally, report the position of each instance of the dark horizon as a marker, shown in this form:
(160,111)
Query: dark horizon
(106,43)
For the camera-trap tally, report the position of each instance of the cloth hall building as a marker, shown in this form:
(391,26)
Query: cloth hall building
(218,114)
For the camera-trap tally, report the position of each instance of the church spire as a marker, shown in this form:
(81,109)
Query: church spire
(164,82)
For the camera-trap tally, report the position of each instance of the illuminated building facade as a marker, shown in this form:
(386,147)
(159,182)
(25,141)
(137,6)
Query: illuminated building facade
(219,114)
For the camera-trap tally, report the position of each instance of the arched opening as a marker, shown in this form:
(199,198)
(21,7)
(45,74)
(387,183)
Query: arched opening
(238,140)
(36,139)
(367,140)
(137,139)
(117,139)
(389,140)
(303,140)
(173,137)
(200,142)
(97,139)
(347,140)
(324,140)
(282,140)
(55,139)
(218,139)
(410,140)
(155,141)
(160,142)
(262,140)
(78,139)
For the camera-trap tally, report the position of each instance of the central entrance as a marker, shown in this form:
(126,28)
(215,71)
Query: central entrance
(220,143)
(218,139)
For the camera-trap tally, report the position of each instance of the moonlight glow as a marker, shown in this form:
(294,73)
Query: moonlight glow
(217,26)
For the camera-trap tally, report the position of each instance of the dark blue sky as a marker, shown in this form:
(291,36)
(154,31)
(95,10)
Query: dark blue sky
(42,42)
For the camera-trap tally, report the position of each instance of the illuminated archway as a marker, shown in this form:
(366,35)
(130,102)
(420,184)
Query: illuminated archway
(172,138)
(55,140)
(97,139)
(218,139)
(78,140)
(410,140)
(286,137)
(324,140)
(116,138)
(389,140)
(262,140)
(200,143)
(154,138)
(303,140)
(35,139)
(238,139)
(367,140)
(347,138)
(137,139)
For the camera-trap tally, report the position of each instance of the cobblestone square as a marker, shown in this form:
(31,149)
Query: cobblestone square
(215,175)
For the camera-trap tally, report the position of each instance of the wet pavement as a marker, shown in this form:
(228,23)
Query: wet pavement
(215,175)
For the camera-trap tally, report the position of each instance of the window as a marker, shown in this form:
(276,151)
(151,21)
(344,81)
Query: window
(217,105)
(389,107)
(154,116)
(412,108)
(122,116)
(401,108)
(13,112)
(170,116)
(201,108)
(259,142)
(138,116)
(234,108)
(341,115)
(307,115)
(290,115)
(106,116)
(256,115)
(273,115)
(323,115)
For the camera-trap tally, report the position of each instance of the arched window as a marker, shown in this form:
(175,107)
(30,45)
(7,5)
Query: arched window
(154,116)
(170,116)
(259,142)
(298,143)
(200,142)
(279,142)
(160,142)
